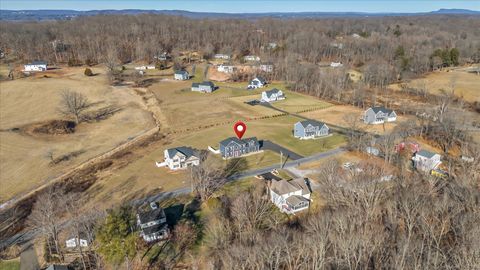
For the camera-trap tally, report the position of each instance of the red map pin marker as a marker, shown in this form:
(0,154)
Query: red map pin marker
(240,129)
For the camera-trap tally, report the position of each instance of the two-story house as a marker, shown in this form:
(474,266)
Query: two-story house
(272,95)
(310,129)
(179,158)
(257,82)
(426,161)
(221,56)
(290,196)
(181,75)
(234,147)
(153,224)
(266,67)
(204,87)
(379,115)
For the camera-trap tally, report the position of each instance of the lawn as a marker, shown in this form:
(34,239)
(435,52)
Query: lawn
(295,102)
(10,264)
(336,115)
(277,130)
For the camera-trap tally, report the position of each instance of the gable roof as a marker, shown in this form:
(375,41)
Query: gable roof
(186,151)
(261,79)
(426,153)
(296,200)
(314,123)
(269,93)
(381,109)
(155,228)
(238,141)
(284,187)
(181,72)
(37,62)
(208,83)
(151,215)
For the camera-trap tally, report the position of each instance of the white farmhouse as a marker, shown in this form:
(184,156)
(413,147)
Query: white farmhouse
(153,224)
(221,56)
(75,241)
(426,161)
(36,66)
(251,58)
(181,157)
(379,115)
(336,64)
(272,95)
(257,82)
(290,196)
(226,68)
(181,75)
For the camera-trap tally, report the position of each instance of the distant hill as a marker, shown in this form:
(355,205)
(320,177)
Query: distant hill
(39,15)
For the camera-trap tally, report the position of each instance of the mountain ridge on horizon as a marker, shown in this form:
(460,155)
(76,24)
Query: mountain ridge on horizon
(51,14)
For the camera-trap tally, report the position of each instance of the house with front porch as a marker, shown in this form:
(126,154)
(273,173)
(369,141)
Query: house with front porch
(379,115)
(290,196)
(234,147)
(309,129)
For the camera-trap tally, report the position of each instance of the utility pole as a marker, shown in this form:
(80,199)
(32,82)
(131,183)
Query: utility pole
(281,159)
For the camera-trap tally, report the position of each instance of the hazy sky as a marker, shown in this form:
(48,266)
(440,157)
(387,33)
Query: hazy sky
(247,5)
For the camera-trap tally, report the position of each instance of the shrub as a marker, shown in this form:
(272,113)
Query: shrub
(88,72)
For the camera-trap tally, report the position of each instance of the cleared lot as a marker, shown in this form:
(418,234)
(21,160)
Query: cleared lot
(24,157)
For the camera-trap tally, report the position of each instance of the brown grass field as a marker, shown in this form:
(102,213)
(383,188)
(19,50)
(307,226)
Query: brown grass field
(24,164)
(467,85)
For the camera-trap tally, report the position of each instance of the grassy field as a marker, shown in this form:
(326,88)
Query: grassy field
(336,115)
(24,163)
(10,264)
(467,85)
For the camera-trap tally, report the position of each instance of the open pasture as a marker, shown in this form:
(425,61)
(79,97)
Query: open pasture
(25,158)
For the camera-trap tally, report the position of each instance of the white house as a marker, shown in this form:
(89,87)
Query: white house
(336,64)
(272,95)
(379,115)
(144,67)
(251,58)
(181,75)
(266,67)
(226,68)
(221,56)
(181,157)
(426,161)
(257,82)
(75,241)
(36,66)
(290,196)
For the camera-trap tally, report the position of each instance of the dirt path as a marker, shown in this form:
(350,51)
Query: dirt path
(28,258)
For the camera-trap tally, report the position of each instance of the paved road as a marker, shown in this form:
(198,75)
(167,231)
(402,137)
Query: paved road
(268,145)
(28,258)
(29,235)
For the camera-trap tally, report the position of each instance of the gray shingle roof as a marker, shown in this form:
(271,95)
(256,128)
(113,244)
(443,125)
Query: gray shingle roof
(273,91)
(311,122)
(38,63)
(238,141)
(187,151)
(151,215)
(426,153)
(296,200)
(181,72)
(155,228)
(261,79)
(381,109)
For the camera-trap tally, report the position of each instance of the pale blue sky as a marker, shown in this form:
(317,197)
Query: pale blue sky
(253,6)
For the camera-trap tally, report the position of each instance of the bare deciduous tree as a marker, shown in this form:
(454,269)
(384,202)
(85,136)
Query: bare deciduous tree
(208,177)
(73,104)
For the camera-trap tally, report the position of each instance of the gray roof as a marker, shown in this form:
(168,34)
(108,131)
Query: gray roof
(426,153)
(155,228)
(37,62)
(296,200)
(273,91)
(57,267)
(151,215)
(181,72)
(186,151)
(238,141)
(261,79)
(381,109)
(207,83)
(283,186)
(305,123)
